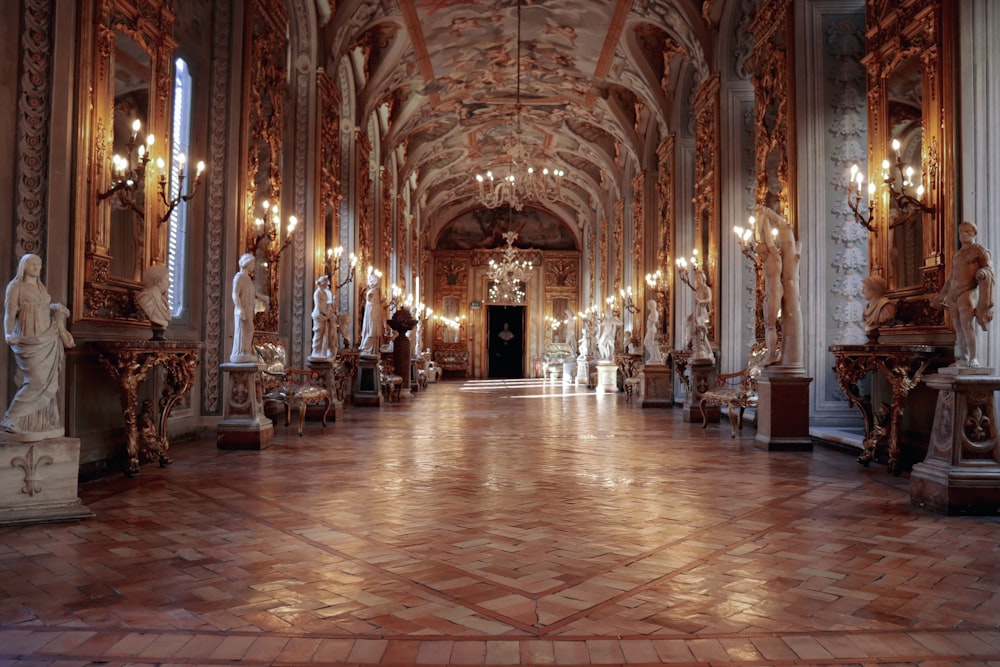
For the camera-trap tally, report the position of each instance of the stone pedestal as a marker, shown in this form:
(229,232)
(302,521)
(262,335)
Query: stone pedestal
(961,474)
(607,377)
(701,378)
(327,370)
(244,424)
(657,387)
(38,480)
(367,385)
(582,371)
(569,372)
(783,412)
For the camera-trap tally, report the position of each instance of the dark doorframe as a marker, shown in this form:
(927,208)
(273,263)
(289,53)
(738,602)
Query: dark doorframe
(505,345)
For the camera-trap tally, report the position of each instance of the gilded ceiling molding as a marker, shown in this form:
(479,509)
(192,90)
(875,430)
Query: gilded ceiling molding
(743,39)
(33,112)
(215,252)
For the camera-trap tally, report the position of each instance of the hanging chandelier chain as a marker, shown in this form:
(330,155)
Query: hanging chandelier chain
(522,183)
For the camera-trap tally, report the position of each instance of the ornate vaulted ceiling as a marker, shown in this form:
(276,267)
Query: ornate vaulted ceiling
(596,78)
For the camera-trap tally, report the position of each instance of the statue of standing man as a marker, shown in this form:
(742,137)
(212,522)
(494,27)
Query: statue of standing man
(968,293)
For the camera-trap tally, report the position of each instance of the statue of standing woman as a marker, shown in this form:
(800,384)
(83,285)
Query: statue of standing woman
(244,300)
(373,324)
(35,329)
(653,355)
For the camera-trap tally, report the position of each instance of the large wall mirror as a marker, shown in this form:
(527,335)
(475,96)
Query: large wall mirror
(903,86)
(911,110)
(130,55)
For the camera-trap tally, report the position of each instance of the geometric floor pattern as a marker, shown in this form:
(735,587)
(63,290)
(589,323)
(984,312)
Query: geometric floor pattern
(503,523)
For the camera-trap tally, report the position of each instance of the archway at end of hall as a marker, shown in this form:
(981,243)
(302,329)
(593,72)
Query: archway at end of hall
(505,344)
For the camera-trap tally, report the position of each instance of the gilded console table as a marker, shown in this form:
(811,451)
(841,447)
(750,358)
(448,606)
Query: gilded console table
(129,362)
(902,366)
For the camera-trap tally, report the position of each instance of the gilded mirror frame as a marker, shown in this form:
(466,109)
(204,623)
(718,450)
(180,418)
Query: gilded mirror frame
(104,296)
(265,60)
(904,35)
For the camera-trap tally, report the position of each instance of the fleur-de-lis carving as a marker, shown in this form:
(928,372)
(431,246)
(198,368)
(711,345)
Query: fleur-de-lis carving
(30,465)
(977,425)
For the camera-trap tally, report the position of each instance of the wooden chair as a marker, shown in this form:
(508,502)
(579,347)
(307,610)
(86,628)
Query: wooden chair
(292,387)
(737,391)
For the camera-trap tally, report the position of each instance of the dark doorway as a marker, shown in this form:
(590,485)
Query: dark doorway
(505,345)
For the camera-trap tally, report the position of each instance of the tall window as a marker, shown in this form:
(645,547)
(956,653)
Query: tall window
(180,139)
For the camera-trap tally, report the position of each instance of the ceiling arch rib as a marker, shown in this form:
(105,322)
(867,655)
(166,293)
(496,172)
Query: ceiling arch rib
(590,72)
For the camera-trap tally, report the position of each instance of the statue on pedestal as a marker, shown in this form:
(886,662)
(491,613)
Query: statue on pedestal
(701,347)
(608,332)
(152,300)
(35,329)
(373,324)
(244,301)
(968,293)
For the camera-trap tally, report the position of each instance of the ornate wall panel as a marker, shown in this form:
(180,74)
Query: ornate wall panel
(706,183)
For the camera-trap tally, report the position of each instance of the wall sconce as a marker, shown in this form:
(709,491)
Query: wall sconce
(269,229)
(171,203)
(627,302)
(657,281)
(333,256)
(128,175)
(682,268)
(854,199)
(904,200)
(900,193)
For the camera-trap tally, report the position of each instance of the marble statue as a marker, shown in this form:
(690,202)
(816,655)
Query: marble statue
(152,300)
(584,348)
(653,355)
(770,259)
(324,317)
(373,323)
(792,328)
(701,347)
(608,332)
(244,300)
(35,329)
(880,309)
(968,293)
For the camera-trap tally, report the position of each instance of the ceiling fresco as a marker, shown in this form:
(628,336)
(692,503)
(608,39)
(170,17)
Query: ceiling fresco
(596,78)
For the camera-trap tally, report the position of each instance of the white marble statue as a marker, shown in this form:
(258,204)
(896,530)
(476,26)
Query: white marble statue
(653,355)
(373,324)
(968,293)
(35,329)
(701,346)
(770,259)
(608,332)
(880,309)
(152,300)
(244,301)
(324,316)
(792,329)
(584,346)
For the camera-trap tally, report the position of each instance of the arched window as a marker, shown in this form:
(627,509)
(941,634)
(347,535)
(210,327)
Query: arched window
(177,234)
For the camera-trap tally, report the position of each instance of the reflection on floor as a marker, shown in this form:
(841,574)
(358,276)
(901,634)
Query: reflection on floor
(471,525)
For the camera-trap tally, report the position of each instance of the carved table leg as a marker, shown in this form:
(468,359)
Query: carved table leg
(902,382)
(849,372)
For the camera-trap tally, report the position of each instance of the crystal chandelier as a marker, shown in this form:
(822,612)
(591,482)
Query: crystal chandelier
(508,276)
(522,181)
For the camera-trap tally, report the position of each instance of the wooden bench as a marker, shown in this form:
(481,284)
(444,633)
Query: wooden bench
(291,387)
(737,391)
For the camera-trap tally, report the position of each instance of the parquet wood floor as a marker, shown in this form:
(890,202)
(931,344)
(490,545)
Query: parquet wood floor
(503,523)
